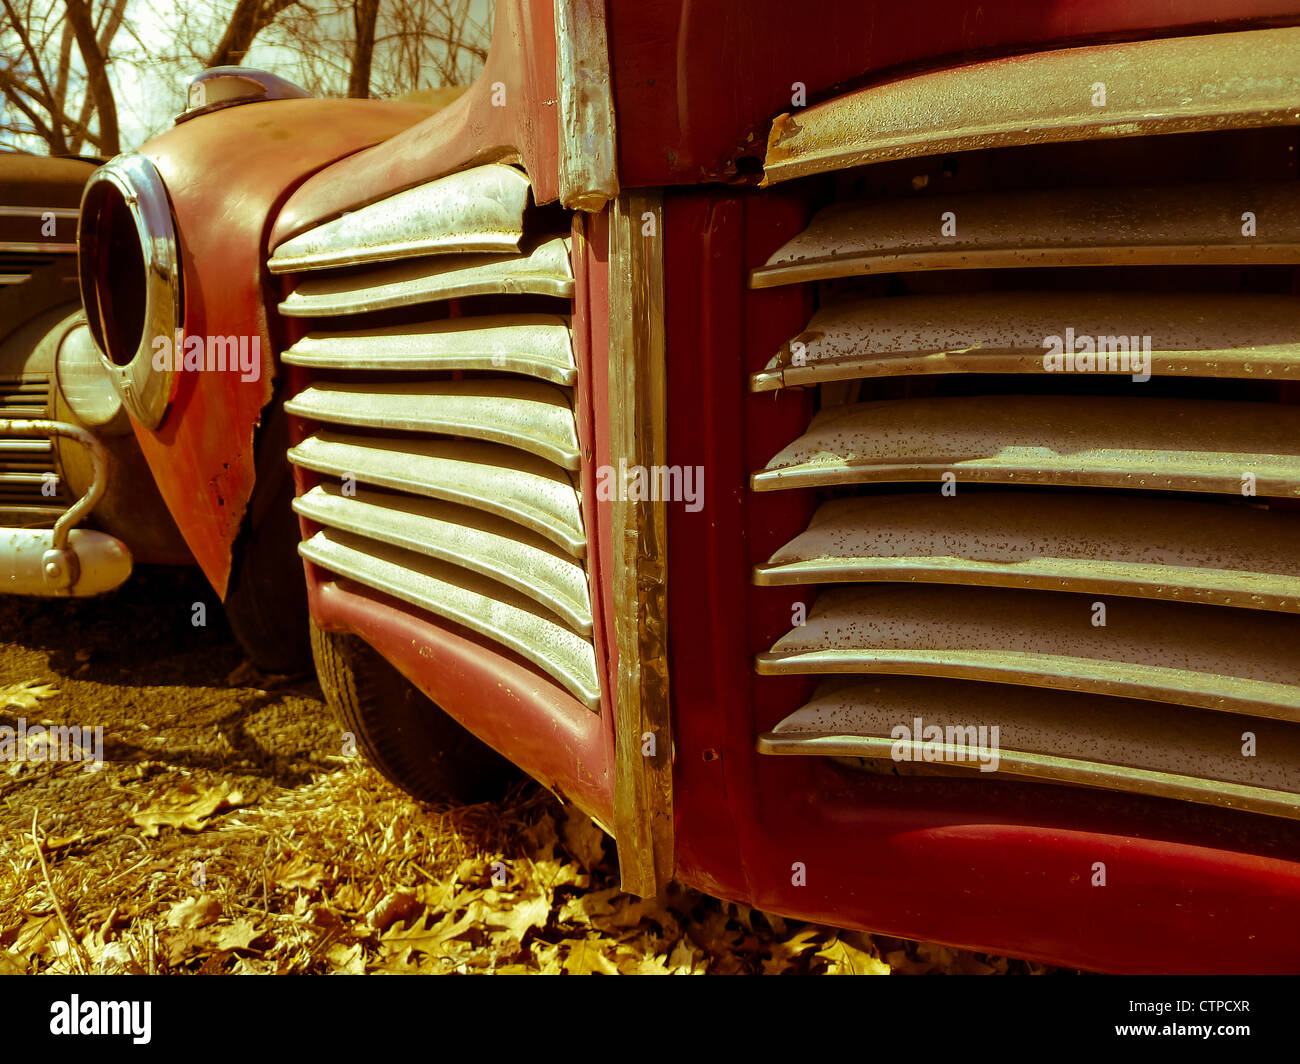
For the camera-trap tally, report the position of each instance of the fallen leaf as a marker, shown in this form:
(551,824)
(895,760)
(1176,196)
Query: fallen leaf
(347,960)
(186,808)
(521,917)
(298,873)
(584,839)
(845,959)
(682,958)
(238,935)
(26,695)
(585,958)
(395,906)
(12,964)
(785,953)
(193,913)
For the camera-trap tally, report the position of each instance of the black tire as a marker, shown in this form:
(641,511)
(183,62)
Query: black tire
(412,741)
(266,598)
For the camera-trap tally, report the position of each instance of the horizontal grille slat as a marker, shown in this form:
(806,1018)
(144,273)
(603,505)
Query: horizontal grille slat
(1161,225)
(477,210)
(533,344)
(511,484)
(1178,550)
(530,415)
(1183,334)
(492,547)
(1175,85)
(1232,661)
(1150,444)
(26,463)
(481,605)
(23,448)
(1084,740)
(543,271)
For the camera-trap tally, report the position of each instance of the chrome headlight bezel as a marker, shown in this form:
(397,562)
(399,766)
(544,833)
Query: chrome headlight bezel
(129,265)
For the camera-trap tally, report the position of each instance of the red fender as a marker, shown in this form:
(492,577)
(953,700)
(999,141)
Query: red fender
(227,175)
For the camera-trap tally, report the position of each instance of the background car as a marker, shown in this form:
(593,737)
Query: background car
(70,468)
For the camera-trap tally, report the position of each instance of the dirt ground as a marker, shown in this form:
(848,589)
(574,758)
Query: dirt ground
(224,832)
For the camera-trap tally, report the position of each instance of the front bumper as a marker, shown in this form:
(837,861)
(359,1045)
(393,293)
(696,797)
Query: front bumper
(63,561)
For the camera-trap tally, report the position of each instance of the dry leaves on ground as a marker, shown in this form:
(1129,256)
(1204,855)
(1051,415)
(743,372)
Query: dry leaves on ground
(347,875)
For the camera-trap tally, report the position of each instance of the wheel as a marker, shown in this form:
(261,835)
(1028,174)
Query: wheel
(266,598)
(413,742)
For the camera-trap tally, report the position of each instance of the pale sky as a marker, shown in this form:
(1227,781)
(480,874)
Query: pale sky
(149,75)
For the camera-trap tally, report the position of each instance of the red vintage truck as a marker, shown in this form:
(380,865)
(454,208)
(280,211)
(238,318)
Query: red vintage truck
(851,452)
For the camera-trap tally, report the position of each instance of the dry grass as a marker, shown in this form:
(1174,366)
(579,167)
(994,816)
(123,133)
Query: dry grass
(347,874)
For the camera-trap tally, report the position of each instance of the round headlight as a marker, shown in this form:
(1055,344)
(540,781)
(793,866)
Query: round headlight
(85,384)
(129,265)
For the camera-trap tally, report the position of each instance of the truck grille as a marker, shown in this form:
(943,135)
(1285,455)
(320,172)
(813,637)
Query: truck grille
(1105,567)
(442,377)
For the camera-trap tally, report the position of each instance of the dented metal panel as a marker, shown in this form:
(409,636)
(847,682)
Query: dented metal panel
(1161,225)
(1118,744)
(1183,551)
(1200,334)
(1147,444)
(520,487)
(534,344)
(1234,661)
(1178,85)
(491,546)
(544,271)
(476,210)
(481,605)
(530,415)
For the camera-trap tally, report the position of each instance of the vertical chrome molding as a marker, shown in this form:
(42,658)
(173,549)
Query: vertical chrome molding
(638,430)
(588,163)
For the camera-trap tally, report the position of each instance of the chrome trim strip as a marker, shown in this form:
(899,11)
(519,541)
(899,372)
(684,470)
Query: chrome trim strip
(638,431)
(480,210)
(588,137)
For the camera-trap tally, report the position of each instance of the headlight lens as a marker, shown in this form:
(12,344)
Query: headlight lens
(85,384)
(129,263)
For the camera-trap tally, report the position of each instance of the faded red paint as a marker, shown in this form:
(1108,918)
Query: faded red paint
(226,174)
(698,82)
(497,696)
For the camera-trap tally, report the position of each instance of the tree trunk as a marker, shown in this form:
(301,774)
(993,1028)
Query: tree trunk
(364,15)
(83,28)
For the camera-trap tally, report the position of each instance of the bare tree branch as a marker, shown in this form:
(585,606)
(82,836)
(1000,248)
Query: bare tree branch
(250,17)
(83,28)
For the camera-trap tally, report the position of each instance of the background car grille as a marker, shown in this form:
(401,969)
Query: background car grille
(25,462)
(441,390)
(1107,569)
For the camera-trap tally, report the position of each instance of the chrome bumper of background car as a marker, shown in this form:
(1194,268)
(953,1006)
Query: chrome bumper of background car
(63,560)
